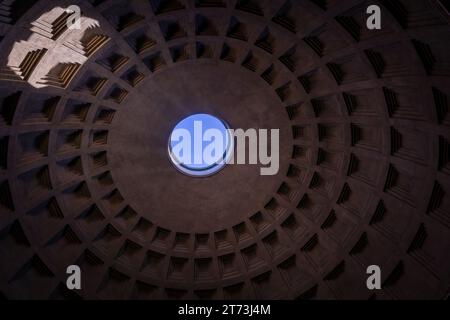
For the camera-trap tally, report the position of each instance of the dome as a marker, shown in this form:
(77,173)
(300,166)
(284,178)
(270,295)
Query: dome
(364,157)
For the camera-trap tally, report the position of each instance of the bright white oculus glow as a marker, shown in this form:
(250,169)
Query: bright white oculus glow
(200,145)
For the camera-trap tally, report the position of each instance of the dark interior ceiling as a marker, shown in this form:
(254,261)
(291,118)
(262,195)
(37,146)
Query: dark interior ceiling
(364,150)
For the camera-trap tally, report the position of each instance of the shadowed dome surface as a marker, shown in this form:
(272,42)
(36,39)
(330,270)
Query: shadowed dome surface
(85,177)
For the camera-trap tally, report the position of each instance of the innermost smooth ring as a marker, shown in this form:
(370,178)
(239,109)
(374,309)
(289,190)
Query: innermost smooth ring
(200,145)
